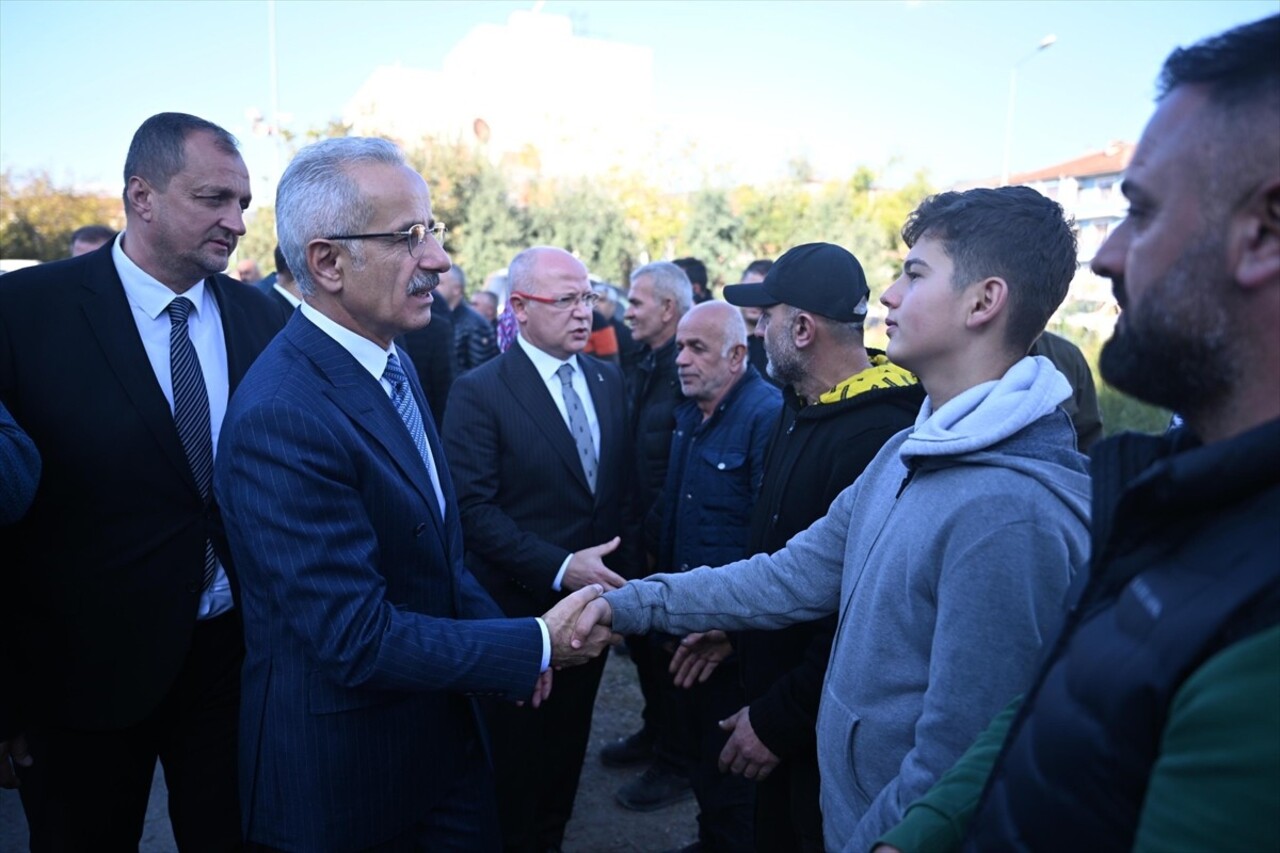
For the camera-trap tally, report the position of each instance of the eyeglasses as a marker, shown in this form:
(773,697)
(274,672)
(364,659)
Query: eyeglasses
(562,303)
(415,236)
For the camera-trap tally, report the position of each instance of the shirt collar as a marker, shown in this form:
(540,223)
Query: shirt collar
(145,291)
(372,357)
(293,300)
(545,363)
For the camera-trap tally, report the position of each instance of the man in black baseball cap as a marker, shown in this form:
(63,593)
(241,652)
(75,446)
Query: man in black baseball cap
(842,402)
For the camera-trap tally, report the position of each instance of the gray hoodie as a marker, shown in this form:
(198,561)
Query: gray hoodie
(948,561)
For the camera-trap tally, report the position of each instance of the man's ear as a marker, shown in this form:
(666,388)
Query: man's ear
(1255,238)
(738,357)
(326,264)
(987,301)
(805,329)
(138,197)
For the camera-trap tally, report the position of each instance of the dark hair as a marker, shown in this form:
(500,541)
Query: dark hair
(695,269)
(157,151)
(1239,66)
(760,267)
(1014,233)
(282,266)
(93,234)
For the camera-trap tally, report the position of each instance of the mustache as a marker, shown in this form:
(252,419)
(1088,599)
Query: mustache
(423,282)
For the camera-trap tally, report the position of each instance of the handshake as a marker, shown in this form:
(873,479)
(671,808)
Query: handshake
(579,627)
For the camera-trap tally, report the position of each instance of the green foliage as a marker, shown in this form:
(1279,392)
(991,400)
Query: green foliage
(38,217)
(1120,412)
(589,223)
(259,240)
(713,235)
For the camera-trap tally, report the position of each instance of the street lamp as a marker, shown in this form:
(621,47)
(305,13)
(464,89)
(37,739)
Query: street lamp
(1046,42)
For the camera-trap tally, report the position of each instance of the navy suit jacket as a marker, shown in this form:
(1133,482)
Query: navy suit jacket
(523,494)
(362,628)
(102,577)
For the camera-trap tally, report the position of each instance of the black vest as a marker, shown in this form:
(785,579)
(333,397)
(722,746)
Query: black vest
(1186,563)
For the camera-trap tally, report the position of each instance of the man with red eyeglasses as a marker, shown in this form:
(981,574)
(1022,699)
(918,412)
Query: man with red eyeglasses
(542,462)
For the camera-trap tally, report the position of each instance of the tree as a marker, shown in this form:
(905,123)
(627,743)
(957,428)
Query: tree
(590,224)
(38,217)
(713,234)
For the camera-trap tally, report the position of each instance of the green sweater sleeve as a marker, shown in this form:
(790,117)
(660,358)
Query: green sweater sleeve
(1216,783)
(937,821)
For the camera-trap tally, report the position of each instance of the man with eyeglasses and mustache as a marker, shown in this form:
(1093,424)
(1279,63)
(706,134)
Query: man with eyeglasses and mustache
(542,462)
(365,637)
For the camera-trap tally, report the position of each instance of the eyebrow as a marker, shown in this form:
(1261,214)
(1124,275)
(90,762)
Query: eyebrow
(911,263)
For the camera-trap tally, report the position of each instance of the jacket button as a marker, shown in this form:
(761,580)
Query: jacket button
(720,466)
(417,531)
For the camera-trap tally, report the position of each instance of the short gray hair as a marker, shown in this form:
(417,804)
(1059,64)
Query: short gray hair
(318,197)
(669,282)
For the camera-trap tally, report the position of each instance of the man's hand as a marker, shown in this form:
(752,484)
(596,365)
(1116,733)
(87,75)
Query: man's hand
(568,646)
(541,690)
(697,657)
(587,567)
(16,751)
(745,754)
(595,615)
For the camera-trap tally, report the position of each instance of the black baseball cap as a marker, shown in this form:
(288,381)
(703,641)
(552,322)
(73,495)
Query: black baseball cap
(818,277)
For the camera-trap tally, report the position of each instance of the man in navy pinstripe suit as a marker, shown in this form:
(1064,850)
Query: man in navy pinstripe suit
(541,457)
(365,636)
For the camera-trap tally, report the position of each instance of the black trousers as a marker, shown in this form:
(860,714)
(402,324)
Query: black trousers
(537,758)
(88,790)
(788,819)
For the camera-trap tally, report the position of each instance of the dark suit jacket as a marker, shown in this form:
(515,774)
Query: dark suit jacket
(102,578)
(355,663)
(524,497)
(432,352)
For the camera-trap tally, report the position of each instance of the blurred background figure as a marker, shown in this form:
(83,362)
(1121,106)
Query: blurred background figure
(90,237)
(247,271)
(697,272)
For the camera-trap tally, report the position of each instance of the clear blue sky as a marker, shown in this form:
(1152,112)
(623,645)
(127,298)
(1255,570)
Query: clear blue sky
(921,84)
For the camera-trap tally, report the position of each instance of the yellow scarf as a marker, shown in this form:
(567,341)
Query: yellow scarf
(881,374)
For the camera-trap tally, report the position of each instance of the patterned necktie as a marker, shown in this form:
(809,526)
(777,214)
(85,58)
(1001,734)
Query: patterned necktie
(578,424)
(407,408)
(191,411)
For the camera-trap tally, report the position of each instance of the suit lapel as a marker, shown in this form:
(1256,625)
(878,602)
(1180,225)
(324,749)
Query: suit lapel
(107,311)
(529,390)
(239,353)
(362,399)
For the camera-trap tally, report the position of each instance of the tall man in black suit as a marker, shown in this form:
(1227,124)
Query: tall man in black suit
(538,442)
(120,641)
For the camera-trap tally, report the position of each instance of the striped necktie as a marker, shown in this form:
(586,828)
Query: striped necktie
(191,412)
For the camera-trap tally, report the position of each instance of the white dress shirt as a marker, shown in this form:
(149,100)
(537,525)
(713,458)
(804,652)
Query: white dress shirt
(149,302)
(373,358)
(547,365)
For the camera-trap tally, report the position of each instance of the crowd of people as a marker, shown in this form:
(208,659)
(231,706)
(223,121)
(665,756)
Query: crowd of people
(345,550)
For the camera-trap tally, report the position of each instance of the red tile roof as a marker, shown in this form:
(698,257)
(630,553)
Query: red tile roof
(1110,160)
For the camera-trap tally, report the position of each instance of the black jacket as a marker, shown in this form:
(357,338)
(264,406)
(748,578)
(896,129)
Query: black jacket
(431,349)
(475,337)
(654,393)
(817,451)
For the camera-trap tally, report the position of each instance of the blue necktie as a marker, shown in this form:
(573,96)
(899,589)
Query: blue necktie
(578,424)
(191,412)
(402,400)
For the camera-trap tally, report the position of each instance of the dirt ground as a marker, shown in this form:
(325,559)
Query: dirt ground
(599,824)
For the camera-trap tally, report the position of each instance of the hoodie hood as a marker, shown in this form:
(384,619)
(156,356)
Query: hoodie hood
(988,413)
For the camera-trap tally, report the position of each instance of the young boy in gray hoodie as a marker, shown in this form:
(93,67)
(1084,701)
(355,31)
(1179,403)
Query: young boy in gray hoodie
(948,560)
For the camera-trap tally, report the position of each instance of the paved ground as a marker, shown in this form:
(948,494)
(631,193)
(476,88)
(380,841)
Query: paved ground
(599,824)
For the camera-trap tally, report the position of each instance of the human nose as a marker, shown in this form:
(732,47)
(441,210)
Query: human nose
(1109,261)
(434,257)
(889,298)
(234,220)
